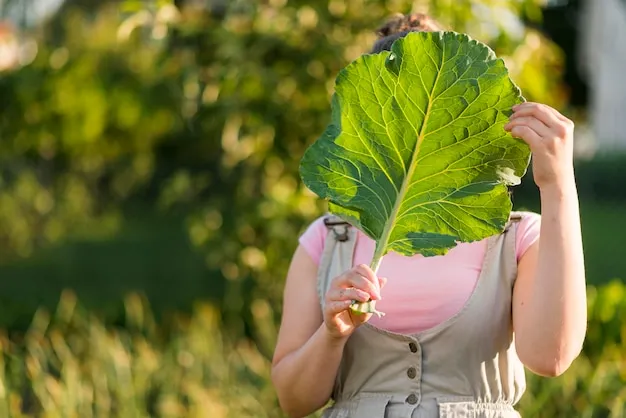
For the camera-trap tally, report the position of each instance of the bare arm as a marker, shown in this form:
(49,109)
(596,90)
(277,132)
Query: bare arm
(549,299)
(550,308)
(310,342)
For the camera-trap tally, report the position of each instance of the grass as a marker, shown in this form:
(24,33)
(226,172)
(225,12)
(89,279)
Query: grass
(69,364)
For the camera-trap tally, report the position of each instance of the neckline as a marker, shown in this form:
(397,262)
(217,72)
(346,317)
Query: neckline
(486,264)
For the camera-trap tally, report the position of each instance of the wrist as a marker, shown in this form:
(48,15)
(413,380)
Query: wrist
(332,339)
(559,189)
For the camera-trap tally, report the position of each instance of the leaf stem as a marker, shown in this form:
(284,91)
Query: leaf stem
(378,257)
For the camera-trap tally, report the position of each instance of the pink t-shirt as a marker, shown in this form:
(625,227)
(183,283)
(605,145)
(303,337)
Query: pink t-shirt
(422,292)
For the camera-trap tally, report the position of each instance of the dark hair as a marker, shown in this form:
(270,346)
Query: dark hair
(400,25)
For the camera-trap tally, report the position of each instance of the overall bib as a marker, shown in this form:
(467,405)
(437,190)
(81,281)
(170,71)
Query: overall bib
(464,367)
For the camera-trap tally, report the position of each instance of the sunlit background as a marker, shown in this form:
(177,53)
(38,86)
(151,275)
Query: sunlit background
(150,199)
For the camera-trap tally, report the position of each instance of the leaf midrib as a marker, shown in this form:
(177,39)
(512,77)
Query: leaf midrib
(382,242)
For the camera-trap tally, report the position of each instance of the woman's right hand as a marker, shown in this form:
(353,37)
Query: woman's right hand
(357,284)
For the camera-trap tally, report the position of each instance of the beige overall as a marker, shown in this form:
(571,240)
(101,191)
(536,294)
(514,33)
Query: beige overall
(464,367)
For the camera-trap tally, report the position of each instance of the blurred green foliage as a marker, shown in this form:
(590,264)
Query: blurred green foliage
(70,364)
(203,113)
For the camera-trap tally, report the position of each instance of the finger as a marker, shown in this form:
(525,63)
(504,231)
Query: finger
(382,281)
(556,113)
(544,113)
(527,134)
(337,306)
(535,124)
(348,294)
(356,280)
(367,273)
(361,277)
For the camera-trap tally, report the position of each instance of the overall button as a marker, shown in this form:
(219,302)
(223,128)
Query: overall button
(412,399)
(413,347)
(411,372)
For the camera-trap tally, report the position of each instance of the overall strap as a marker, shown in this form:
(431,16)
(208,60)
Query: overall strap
(338,253)
(514,218)
(509,250)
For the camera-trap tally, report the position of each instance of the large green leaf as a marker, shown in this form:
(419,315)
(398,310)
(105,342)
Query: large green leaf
(416,155)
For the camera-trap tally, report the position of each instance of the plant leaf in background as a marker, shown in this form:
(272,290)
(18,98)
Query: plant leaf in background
(416,155)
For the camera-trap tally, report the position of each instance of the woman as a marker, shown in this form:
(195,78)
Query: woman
(459,329)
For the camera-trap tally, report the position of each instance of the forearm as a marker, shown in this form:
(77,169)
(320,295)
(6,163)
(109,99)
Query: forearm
(304,379)
(557,309)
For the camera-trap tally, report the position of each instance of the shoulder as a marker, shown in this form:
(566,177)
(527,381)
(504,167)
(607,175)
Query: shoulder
(528,230)
(527,220)
(313,238)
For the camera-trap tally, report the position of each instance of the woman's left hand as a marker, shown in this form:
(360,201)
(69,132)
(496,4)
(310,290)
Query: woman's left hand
(550,136)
